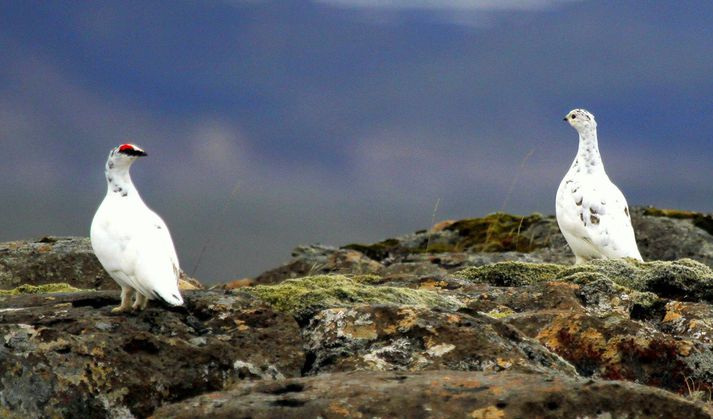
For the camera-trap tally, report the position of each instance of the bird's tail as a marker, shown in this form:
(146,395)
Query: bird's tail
(172,298)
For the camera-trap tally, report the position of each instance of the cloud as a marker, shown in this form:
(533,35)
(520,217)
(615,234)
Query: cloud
(466,13)
(445,5)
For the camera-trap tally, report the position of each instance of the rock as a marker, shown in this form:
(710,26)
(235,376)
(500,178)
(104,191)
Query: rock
(476,318)
(52,259)
(673,234)
(690,320)
(40,289)
(68,260)
(67,355)
(238,283)
(408,338)
(683,279)
(444,394)
(318,259)
(413,270)
(606,330)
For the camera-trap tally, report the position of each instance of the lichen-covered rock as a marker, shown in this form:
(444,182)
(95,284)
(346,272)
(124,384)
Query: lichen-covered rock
(683,279)
(318,260)
(441,394)
(305,296)
(616,348)
(409,338)
(39,289)
(496,232)
(52,259)
(67,355)
(691,320)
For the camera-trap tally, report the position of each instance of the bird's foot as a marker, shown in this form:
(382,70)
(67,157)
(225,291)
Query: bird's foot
(120,309)
(140,302)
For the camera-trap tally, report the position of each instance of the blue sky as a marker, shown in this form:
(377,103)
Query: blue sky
(272,124)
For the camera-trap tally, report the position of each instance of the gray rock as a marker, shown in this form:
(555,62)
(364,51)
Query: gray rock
(51,259)
(319,259)
(67,355)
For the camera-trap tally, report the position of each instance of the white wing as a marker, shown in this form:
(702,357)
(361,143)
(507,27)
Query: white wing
(156,266)
(135,247)
(594,218)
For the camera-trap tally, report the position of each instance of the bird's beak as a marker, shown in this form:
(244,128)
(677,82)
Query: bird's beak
(565,118)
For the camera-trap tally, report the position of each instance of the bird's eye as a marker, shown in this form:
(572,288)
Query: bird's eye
(574,116)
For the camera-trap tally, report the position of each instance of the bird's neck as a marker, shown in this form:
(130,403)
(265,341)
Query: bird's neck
(118,181)
(588,158)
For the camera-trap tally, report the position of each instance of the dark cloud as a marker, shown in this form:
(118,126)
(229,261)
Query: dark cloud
(270,124)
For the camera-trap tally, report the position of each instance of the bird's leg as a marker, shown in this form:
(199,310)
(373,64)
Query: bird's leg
(126,294)
(141,302)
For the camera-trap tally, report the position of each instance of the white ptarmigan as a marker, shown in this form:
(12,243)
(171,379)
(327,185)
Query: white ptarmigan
(592,213)
(131,241)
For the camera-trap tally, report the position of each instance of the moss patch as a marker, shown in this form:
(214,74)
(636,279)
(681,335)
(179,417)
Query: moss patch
(40,289)
(683,279)
(513,274)
(498,232)
(304,296)
(702,221)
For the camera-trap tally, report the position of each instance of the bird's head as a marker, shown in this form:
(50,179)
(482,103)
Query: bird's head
(581,120)
(124,155)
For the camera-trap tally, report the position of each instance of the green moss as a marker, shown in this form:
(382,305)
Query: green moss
(498,232)
(305,296)
(513,274)
(683,279)
(702,221)
(439,248)
(40,289)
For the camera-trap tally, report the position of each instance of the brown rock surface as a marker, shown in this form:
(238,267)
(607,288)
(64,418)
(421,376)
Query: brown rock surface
(409,339)
(439,394)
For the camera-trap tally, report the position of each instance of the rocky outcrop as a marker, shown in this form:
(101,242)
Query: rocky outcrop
(473,318)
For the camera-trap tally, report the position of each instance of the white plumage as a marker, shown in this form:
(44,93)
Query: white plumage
(592,213)
(131,241)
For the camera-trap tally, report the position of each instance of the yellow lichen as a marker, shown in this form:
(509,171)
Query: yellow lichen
(41,289)
(500,313)
(490,412)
